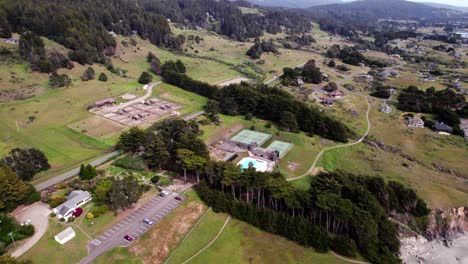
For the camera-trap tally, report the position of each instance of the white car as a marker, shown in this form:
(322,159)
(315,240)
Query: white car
(164,193)
(27,222)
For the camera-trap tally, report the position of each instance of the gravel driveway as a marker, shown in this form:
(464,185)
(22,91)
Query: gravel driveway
(38,213)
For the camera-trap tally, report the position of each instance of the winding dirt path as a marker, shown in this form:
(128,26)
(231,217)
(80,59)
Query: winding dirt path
(211,242)
(347,259)
(338,146)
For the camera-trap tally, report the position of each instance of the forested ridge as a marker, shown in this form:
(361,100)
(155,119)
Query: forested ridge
(264,102)
(341,211)
(84,26)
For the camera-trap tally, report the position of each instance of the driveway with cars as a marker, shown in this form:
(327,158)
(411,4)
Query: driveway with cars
(133,226)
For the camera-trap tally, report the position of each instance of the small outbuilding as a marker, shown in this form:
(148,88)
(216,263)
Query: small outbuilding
(65,236)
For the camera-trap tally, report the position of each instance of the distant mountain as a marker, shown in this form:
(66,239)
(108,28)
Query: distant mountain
(458,8)
(294,3)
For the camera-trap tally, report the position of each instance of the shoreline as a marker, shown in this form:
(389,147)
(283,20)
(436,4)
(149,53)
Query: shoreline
(421,251)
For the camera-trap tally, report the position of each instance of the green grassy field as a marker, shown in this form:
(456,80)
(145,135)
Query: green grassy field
(47,250)
(243,243)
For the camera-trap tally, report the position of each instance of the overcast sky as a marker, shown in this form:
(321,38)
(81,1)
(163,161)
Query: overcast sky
(447,2)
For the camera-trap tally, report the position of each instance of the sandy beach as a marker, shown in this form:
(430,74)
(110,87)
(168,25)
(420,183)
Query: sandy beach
(421,251)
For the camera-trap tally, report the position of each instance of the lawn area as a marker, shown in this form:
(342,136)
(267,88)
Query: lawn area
(201,235)
(296,162)
(243,243)
(191,102)
(47,250)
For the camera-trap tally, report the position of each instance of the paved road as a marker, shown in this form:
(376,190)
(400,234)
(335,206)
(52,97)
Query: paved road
(155,210)
(72,173)
(149,90)
(194,115)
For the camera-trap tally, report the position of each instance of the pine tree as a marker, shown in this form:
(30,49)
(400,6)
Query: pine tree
(103,77)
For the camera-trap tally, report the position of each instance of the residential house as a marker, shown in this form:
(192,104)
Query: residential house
(74,200)
(384,108)
(415,122)
(441,127)
(366,77)
(336,94)
(65,236)
(12,40)
(299,82)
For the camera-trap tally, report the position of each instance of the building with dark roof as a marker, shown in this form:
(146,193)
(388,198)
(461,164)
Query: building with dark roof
(440,126)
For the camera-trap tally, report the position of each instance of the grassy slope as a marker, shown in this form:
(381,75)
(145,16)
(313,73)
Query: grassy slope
(243,243)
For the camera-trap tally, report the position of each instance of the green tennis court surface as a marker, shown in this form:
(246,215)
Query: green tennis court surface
(282,147)
(249,136)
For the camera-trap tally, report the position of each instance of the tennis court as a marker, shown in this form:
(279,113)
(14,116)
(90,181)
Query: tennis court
(282,147)
(249,136)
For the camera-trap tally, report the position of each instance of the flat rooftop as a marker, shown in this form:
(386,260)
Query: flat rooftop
(282,147)
(249,136)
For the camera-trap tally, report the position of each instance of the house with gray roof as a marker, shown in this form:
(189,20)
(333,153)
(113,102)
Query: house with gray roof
(74,200)
(440,126)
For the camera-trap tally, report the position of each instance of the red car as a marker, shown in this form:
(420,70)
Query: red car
(128,238)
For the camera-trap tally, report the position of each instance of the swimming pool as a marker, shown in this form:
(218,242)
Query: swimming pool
(259,165)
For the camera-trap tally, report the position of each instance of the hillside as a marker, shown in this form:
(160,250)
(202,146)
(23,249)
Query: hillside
(294,3)
(384,9)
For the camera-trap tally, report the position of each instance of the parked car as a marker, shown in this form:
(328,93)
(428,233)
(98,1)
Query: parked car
(27,222)
(148,222)
(128,238)
(179,198)
(164,193)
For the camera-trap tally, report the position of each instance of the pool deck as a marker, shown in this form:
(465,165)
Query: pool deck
(270,164)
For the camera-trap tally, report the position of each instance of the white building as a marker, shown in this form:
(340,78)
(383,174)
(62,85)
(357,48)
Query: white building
(415,122)
(65,236)
(74,200)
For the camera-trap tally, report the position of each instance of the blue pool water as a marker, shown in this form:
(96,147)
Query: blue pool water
(259,165)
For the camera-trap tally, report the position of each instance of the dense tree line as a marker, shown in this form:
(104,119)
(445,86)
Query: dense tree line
(342,211)
(31,49)
(14,191)
(338,208)
(84,26)
(309,73)
(259,47)
(350,55)
(266,103)
(26,162)
(430,101)
(446,104)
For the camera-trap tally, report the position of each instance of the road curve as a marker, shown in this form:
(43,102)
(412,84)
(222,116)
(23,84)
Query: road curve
(71,173)
(339,146)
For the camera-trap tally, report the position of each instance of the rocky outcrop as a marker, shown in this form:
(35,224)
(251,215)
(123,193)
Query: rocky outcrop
(446,225)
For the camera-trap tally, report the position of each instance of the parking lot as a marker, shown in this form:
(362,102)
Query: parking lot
(133,225)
